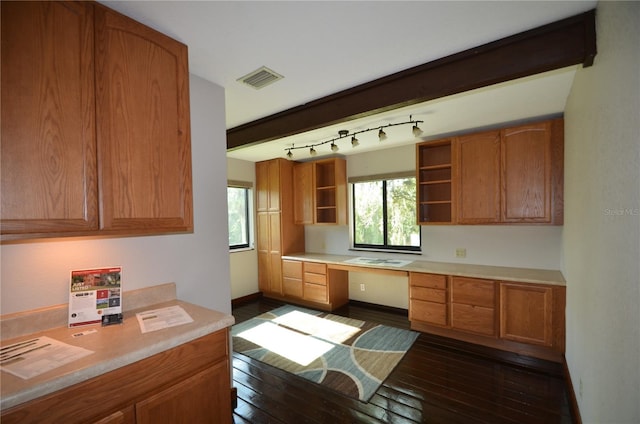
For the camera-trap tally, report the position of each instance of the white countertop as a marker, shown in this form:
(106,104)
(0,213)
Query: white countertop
(500,273)
(114,346)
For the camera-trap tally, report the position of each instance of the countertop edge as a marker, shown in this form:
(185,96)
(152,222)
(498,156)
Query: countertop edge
(501,273)
(110,364)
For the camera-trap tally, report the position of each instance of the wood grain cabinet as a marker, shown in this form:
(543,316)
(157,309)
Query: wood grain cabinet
(473,305)
(504,176)
(526,318)
(187,384)
(435,174)
(478,178)
(95,124)
(320,192)
(428,298)
(277,234)
(532,314)
(314,284)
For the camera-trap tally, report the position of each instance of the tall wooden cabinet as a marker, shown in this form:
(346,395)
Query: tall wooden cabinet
(95,140)
(277,234)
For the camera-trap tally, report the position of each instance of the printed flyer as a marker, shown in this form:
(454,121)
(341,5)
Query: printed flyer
(95,296)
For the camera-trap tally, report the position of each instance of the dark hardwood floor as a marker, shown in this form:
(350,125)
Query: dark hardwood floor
(438,381)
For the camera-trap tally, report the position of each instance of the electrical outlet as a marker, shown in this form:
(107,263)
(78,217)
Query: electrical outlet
(361,287)
(461,252)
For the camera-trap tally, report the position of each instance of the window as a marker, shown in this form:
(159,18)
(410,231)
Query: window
(384,214)
(239,207)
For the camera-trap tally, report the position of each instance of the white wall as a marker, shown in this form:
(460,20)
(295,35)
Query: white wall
(244,264)
(601,239)
(37,274)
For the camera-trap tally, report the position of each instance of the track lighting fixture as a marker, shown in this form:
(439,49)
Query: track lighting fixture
(382,135)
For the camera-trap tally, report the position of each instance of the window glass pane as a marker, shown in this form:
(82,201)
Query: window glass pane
(237,200)
(401,213)
(368,213)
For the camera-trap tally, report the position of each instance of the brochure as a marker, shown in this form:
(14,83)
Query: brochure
(157,319)
(95,296)
(30,358)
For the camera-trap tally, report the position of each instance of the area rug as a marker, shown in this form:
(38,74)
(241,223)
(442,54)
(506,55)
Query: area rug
(350,356)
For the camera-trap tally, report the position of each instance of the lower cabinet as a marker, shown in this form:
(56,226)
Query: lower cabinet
(187,384)
(519,317)
(473,305)
(314,284)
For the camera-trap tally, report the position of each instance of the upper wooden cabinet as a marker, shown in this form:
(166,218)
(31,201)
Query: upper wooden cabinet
(303,192)
(49,173)
(320,192)
(142,98)
(478,172)
(532,172)
(93,141)
(505,176)
(435,182)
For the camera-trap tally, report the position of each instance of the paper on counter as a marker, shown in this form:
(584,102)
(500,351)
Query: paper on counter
(157,319)
(36,356)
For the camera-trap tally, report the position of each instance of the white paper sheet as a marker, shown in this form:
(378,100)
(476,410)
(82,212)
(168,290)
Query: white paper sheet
(36,356)
(157,319)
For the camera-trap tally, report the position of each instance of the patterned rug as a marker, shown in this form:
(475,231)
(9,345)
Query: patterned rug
(350,356)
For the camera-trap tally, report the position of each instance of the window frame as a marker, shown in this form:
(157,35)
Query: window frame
(248,194)
(385,247)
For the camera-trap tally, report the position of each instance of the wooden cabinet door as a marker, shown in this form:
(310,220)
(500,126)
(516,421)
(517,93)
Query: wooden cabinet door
(48,170)
(478,172)
(303,193)
(262,186)
(273,178)
(143,127)
(526,313)
(473,303)
(526,173)
(203,398)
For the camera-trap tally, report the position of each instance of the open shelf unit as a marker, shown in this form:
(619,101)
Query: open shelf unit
(434,182)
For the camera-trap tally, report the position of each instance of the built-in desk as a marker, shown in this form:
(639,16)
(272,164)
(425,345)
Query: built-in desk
(521,275)
(514,309)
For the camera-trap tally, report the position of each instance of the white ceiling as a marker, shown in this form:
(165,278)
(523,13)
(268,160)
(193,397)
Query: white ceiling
(322,47)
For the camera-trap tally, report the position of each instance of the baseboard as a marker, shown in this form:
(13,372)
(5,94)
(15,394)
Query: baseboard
(573,401)
(245,299)
(391,309)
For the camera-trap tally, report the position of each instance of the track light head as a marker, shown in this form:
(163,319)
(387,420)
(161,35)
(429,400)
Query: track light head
(289,154)
(354,141)
(382,135)
(416,130)
(334,147)
(312,151)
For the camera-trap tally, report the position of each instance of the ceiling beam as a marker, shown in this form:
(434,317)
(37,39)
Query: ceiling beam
(563,43)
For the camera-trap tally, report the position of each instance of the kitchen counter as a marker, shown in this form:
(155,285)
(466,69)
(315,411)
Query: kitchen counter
(113,346)
(522,275)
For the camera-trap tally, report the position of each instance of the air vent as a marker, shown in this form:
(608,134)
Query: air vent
(260,78)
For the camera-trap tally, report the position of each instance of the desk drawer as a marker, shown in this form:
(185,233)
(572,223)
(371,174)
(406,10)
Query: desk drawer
(320,279)
(473,291)
(315,268)
(476,319)
(435,281)
(315,293)
(430,312)
(429,294)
